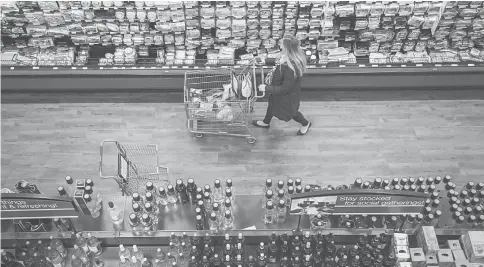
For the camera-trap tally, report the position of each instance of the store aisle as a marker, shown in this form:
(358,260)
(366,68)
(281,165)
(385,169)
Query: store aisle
(45,142)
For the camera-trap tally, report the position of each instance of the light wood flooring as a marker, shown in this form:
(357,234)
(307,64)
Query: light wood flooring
(44,142)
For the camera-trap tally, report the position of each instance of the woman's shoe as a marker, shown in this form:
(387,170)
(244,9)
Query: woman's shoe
(260,124)
(307,130)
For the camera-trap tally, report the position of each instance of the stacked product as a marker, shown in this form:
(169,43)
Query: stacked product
(361,28)
(472,242)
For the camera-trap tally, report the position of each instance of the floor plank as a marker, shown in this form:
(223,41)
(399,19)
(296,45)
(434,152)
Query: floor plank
(43,142)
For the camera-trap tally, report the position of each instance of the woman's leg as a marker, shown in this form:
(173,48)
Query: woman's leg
(300,118)
(305,123)
(267,119)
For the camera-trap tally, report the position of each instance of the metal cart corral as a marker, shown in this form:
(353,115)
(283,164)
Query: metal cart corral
(135,165)
(213,106)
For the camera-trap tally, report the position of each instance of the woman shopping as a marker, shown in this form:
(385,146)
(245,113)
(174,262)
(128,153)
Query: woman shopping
(283,83)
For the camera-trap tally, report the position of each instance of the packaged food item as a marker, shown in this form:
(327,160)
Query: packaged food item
(74,27)
(406,8)
(420,7)
(400,22)
(141,14)
(430,21)
(391,9)
(252,12)
(35,18)
(207,23)
(58,30)
(36,30)
(77,14)
(265,12)
(112,26)
(158,39)
(89,27)
(47,5)
(223,12)
(54,19)
(224,23)
(191,13)
(415,21)
(377,9)
(252,33)
(252,23)
(362,9)
(177,15)
(130,14)
(107,3)
(163,15)
(207,12)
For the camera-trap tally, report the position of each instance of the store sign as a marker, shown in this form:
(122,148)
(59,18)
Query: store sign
(354,201)
(33,206)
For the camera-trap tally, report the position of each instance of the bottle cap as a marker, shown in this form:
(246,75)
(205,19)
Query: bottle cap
(307,188)
(161,191)
(217,183)
(206,195)
(282,203)
(179,182)
(133,218)
(190,181)
(290,190)
(298,181)
(228,183)
(149,186)
(110,204)
(228,214)
(213,216)
(87,197)
(269,205)
(69,179)
(215,207)
(149,196)
(199,217)
(88,189)
(268,182)
(228,192)
(290,182)
(207,188)
(61,190)
(228,203)
(280,184)
(170,188)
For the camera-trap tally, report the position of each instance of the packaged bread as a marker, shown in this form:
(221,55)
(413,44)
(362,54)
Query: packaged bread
(89,14)
(47,5)
(239,12)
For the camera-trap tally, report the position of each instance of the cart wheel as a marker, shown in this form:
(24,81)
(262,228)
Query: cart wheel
(198,135)
(251,140)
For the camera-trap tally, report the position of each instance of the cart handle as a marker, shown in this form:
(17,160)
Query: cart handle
(256,93)
(101,159)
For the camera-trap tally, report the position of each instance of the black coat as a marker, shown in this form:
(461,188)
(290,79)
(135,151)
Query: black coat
(285,93)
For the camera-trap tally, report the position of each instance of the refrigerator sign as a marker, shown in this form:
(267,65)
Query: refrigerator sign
(32,206)
(354,201)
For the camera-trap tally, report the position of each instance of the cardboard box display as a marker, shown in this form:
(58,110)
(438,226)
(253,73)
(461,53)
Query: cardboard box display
(462,264)
(417,256)
(400,239)
(453,245)
(431,260)
(402,254)
(459,255)
(445,258)
(427,239)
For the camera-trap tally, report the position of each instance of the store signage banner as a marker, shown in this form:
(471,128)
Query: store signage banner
(341,202)
(33,206)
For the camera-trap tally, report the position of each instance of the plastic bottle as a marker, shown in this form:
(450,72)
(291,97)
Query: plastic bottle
(117,215)
(171,195)
(55,258)
(59,246)
(124,263)
(162,199)
(281,212)
(228,222)
(269,216)
(135,262)
(123,252)
(217,194)
(94,245)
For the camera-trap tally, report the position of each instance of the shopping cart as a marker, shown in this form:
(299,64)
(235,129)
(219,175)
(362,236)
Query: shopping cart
(135,165)
(219,101)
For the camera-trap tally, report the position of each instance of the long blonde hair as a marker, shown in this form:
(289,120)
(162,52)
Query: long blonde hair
(293,55)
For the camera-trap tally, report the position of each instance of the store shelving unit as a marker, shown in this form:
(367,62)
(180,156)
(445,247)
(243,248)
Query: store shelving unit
(182,32)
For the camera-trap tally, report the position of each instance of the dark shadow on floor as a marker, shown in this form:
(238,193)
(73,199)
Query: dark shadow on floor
(164,97)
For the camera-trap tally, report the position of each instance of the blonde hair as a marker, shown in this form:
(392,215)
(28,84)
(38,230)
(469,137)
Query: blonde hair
(294,55)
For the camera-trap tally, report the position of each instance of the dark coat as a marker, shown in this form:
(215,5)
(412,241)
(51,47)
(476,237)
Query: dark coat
(285,93)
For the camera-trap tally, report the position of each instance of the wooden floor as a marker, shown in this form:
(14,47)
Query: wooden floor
(44,142)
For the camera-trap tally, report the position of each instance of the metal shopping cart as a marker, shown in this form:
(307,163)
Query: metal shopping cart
(220,101)
(134,165)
